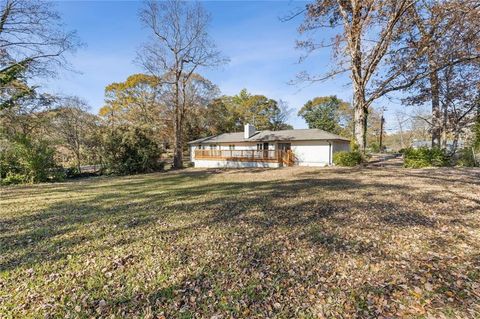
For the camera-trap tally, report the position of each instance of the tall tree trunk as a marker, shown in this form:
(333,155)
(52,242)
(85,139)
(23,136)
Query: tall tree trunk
(177,134)
(79,166)
(444,125)
(435,92)
(382,121)
(178,146)
(401,135)
(360,118)
(456,137)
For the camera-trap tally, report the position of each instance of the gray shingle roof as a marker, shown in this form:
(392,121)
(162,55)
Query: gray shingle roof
(271,136)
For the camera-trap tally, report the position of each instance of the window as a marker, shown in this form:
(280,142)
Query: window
(262,146)
(284,146)
(231,147)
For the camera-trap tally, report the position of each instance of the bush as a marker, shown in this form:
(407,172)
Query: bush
(466,157)
(71,172)
(354,146)
(375,147)
(425,157)
(26,160)
(13,178)
(350,159)
(130,151)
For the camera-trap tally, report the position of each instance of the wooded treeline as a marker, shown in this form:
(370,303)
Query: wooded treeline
(426,52)
(145,120)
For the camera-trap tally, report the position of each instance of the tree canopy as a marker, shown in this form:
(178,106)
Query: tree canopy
(263,112)
(328,113)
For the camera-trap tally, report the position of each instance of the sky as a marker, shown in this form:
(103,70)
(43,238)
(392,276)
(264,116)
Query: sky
(261,49)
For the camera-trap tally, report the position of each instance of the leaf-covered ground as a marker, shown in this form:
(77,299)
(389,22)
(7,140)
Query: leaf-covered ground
(291,242)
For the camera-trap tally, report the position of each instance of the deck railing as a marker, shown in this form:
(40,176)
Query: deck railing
(240,155)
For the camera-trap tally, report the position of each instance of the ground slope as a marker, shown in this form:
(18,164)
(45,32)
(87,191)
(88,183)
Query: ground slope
(291,242)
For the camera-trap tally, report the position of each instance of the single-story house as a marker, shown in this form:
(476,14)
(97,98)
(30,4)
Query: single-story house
(252,148)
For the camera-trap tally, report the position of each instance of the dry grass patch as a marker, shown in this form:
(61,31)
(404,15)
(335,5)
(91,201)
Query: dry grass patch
(292,242)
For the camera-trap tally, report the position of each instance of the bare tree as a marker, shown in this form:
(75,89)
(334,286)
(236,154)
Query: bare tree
(367,31)
(444,38)
(401,120)
(32,43)
(178,47)
(459,99)
(72,124)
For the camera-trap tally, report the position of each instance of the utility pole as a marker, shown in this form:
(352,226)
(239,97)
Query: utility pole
(382,121)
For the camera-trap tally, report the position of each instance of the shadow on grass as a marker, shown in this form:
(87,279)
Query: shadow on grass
(134,204)
(138,201)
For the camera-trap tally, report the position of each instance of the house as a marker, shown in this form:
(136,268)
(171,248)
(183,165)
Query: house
(252,148)
(416,144)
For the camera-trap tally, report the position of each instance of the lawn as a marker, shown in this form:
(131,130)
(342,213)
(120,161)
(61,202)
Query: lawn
(291,242)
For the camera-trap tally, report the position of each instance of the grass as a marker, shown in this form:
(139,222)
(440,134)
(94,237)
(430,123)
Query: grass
(292,242)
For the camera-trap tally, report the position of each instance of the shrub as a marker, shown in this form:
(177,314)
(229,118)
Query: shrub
(375,147)
(130,151)
(466,157)
(26,160)
(425,157)
(71,172)
(352,158)
(354,146)
(13,178)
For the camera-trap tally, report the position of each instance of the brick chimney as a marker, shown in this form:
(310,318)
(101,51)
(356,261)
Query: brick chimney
(248,130)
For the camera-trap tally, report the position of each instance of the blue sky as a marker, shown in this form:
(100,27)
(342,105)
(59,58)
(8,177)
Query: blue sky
(261,48)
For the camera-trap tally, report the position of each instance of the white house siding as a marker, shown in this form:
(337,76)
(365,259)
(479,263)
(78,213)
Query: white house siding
(238,147)
(191,150)
(311,153)
(307,153)
(234,164)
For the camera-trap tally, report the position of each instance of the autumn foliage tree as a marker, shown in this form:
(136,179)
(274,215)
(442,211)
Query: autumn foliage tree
(230,113)
(73,126)
(179,45)
(138,102)
(328,113)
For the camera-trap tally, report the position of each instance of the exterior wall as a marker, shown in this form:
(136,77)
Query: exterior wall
(238,146)
(226,146)
(307,153)
(192,149)
(311,153)
(234,164)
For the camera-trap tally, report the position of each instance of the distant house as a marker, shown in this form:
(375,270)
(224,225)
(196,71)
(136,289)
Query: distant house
(251,148)
(428,144)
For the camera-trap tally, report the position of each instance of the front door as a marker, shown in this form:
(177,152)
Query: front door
(286,154)
(265,150)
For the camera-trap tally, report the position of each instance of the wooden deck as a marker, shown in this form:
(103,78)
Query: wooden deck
(270,156)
